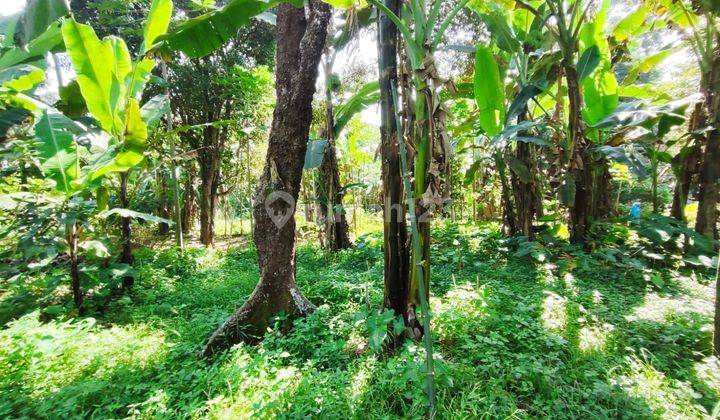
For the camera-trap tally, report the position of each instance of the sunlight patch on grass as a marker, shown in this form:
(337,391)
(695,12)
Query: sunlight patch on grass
(360,382)
(665,396)
(253,386)
(211,258)
(554,312)
(592,338)
(53,356)
(656,307)
(459,311)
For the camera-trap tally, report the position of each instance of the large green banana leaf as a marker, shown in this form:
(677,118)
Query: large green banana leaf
(367,95)
(489,93)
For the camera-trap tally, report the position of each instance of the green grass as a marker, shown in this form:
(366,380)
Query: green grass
(568,338)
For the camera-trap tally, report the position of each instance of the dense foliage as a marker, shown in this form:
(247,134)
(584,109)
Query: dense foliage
(353,208)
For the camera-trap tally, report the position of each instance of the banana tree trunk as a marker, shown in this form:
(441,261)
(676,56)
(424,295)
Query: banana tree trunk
(72,233)
(300,46)
(163,204)
(422,208)
(331,208)
(709,196)
(579,168)
(686,165)
(395,238)
(126,257)
(189,203)
(508,205)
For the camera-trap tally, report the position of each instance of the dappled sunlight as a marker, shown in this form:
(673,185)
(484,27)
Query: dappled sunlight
(361,381)
(460,310)
(554,313)
(251,385)
(91,353)
(656,306)
(664,396)
(592,338)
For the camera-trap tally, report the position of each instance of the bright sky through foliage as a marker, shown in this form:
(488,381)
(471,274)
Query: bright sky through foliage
(8,7)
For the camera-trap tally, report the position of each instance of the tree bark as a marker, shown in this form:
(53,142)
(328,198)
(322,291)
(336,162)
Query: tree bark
(602,191)
(72,239)
(126,257)
(163,204)
(300,45)
(687,163)
(709,196)
(579,168)
(395,238)
(331,208)
(209,162)
(508,205)
(189,203)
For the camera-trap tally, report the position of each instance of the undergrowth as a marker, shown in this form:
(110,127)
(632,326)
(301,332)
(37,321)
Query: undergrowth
(572,336)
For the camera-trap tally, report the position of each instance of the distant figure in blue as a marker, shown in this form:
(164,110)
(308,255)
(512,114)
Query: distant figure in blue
(635,211)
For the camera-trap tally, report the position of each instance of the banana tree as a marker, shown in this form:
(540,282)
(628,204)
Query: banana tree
(22,64)
(700,23)
(330,192)
(513,127)
(421,31)
(112,85)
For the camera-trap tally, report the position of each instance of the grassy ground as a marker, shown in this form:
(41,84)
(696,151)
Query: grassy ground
(515,338)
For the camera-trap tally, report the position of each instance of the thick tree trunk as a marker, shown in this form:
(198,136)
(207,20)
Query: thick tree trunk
(300,45)
(579,168)
(126,257)
(209,162)
(508,205)
(523,192)
(395,238)
(602,205)
(709,196)
(708,199)
(208,199)
(687,163)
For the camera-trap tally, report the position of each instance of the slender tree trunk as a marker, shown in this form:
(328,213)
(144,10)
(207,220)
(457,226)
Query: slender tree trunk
(126,257)
(300,45)
(249,186)
(331,207)
(189,203)
(423,209)
(209,162)
(163,204)
(395,238)
(716,335)
(72,239)
(654,182)
(179,240)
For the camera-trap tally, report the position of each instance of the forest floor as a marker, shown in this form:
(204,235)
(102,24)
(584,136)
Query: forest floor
(571,337)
